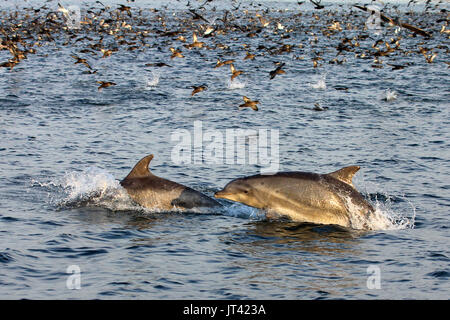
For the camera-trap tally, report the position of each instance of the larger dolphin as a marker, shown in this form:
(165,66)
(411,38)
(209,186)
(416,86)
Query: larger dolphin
(305,197)
(154,192)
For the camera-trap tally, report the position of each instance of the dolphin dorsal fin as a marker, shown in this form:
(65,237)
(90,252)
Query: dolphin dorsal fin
(345,174)
(141,168)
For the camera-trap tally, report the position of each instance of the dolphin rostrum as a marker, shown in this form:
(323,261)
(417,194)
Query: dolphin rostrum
(305,197)
(154,192)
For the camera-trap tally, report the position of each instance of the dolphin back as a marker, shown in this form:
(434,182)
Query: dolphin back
(153,192)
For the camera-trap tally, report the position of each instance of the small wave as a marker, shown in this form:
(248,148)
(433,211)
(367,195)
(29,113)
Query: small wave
(439,274)
(5,257)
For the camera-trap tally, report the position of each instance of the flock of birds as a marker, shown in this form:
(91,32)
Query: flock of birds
(234,36)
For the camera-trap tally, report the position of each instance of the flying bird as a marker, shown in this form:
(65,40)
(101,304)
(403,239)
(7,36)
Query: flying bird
(278,70)
(195,43)
(105,84)
(317,5)
(176,53)
(222,63)
(198,89)
(81,60)
(249,56)
(234,72)
(249,103)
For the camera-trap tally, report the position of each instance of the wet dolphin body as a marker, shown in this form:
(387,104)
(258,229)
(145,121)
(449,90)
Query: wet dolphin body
(154,192)
(303,196)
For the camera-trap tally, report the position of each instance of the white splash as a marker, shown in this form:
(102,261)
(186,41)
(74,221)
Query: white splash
(154,79)
(236,84)
(390,95)
(91,180)
(242,211)
(320,84)
(395,220)
(384,216)
(93,186)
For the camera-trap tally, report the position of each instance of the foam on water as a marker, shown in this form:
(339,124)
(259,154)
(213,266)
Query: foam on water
(93,179)
(384,216)
(149,82)
(390,95)
(90,187)
(391,218)
(242,211)
(320,83)
(235,84)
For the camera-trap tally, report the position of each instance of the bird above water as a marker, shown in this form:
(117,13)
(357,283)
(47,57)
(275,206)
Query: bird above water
(249,103)
(278,70)
(105,84)
(249,56)
(195,43)
(198,89)
(222,63)
(176,53)
(234,72)
(81,60)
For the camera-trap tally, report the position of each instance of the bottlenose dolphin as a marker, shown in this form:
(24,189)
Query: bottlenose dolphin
(305,197)
(154,192)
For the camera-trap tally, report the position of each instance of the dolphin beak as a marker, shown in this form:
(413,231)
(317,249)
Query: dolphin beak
(221,194)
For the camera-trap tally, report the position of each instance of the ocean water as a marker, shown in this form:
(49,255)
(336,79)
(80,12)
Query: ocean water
(65,145)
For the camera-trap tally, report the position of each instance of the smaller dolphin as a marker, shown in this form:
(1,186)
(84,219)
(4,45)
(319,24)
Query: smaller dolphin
(154,192)
(305,197)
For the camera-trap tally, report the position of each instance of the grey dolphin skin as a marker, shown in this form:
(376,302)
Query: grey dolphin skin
(154,192)
(302,196)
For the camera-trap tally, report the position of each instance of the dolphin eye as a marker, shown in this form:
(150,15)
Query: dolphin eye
(245,191)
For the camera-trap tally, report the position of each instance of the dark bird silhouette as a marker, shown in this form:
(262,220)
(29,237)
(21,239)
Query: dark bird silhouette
(396,66)
(278,70)
(157,64)
(317,5)
(81,60)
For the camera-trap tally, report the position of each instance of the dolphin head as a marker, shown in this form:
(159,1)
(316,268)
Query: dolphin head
(240,190)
